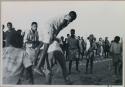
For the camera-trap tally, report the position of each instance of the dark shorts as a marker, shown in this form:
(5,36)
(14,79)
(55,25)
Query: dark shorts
(73,54)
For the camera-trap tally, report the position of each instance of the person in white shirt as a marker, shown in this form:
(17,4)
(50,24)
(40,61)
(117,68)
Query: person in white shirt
(52,47)
(100,47)
(32,43)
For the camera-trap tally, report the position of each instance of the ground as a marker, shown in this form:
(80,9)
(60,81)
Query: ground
(102,75)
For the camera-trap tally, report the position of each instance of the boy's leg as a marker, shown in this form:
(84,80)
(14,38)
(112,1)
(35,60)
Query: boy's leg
(61,60)
(70,66)
(30,75)
(48,66)
(91,62)
(77,65)
(87,63)
(91,65)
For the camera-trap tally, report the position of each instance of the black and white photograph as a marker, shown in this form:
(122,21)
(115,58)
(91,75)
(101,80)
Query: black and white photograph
(62,43)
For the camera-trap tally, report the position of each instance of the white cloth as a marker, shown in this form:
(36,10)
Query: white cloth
(31,53)
(55,46)
(14,61)
(87,45)
(52,27)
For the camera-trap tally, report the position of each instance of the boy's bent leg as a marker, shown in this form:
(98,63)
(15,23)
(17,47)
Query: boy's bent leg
(42,60)
(58,55)
(77,65)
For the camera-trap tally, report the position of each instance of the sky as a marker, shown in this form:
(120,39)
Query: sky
(102,18)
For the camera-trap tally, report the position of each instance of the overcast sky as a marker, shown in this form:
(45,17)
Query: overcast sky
(100,18)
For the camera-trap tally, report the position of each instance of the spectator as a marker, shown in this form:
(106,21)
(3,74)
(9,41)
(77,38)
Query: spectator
(106,47)
(100,47)
(66,46)
(73,51)
(90,53)
(20,37)
(83,44)
(3,35)
(116,52)
(11,31)
(33,43)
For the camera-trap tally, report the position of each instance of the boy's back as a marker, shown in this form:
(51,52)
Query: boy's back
(116,48)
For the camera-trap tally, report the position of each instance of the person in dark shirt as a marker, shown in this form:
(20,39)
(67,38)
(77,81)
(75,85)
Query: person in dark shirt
(106,47)
(83,46)
(15,61)
(3,35)
(73,51)
(11,31)
(20,37)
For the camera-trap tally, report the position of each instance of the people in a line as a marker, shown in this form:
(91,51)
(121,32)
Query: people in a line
(74,49)
(15,60)
(52,47)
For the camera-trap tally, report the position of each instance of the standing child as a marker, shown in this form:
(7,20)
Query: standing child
(32,42)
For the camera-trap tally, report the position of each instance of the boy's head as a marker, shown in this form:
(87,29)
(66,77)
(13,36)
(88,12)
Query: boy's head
(19,31)
(72,31)
(9,25)
(34,26)
(94,39)
(82,38)
(91,37)
(100,39)
(117,39)
(106,38)
(79,37)
(73,15)
(68,35)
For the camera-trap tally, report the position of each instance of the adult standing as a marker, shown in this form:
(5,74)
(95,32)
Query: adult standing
(74,49)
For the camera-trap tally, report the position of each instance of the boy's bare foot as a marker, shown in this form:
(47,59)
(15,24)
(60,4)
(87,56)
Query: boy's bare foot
(39,71)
